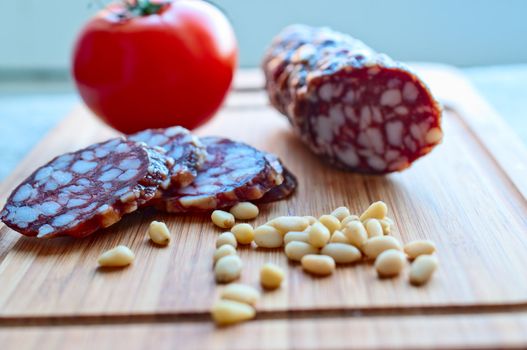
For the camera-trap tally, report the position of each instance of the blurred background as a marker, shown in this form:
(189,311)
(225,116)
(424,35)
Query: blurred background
(485,38)
(37,35)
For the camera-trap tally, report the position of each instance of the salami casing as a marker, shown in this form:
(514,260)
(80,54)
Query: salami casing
(232,172)
(357,108)
(186,150)
(78,193)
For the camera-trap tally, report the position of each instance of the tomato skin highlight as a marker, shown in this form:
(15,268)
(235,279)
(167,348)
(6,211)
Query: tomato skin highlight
(170,68)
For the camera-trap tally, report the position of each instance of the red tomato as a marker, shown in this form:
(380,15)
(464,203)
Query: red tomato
(151,65)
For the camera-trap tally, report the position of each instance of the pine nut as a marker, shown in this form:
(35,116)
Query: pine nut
(225,312)
(386,224)
(266,236)
(348,219)
(296,236)
(376,245)
(245,211)
(318,264)
(420,247)
(244,233)
(222,219)
(222,251)
(339,237)
(355,233)
(271,276)
(318,235)
(342,253)
(286,224)
(228,268)
(376,210)
(422,269)
(311,219)
(389,263)
(374,228)
(226,238)
(240,292)
(331,222)
(296,250)
(159,233)
(116,257)
(341,213)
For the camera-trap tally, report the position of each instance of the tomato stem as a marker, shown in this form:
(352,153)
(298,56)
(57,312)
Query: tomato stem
(136,8)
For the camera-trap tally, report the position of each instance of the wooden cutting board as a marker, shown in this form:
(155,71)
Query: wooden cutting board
(469,196)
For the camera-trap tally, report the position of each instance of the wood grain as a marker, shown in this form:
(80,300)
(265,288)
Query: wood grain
(468,196)
(502,330)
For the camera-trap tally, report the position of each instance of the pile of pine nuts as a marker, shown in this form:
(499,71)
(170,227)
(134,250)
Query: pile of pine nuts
(319,245)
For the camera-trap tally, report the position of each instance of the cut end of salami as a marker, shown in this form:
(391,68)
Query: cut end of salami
(232,172)
(186,150)
(357,108)
(78,193)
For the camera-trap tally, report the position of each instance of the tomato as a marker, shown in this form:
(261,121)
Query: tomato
(145,64)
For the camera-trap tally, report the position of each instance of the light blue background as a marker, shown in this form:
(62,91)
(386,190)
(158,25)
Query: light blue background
(36,34)
(459,32)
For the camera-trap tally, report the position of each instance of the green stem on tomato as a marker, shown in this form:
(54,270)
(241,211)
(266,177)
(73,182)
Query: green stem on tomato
(138,8)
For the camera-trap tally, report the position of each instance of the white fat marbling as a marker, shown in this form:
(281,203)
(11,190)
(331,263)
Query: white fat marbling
(43,173)
(376,163)
(45,230)
(348,156)
(49,208)
(365,117)
(24,192)
(25,214)
(82,167)
(63,220)
(394,131)
(128,175)
(376,140)
(391,98)
(110,175)
(62,177)
(75,202)
(410,92)
(130,163)
(50,186)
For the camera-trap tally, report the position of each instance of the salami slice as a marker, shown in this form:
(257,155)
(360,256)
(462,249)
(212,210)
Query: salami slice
(285,189)
(78,193)
(357,108)
(233,172)
(282,191)
(186,150)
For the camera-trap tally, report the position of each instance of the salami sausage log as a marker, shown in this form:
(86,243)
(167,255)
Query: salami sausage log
(357,108)
(78,193)
(184,148)
(233,172)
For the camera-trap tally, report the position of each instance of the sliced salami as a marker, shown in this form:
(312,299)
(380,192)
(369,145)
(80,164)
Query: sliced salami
(186,150)
(78,193)
(285,189)
(233,172)
(282,191)
(357,108)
